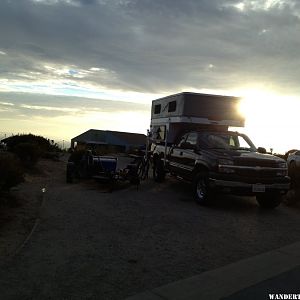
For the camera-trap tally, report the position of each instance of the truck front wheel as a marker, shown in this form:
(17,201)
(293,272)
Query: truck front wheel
(202,192)
(268,201)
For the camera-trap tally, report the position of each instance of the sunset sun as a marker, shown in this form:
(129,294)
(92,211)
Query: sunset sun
(270,120)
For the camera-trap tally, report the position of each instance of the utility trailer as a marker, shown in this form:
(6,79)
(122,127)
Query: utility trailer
(85,165)
(190,138)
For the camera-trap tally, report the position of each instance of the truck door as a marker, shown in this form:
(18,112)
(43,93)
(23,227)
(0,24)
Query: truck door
(182,158)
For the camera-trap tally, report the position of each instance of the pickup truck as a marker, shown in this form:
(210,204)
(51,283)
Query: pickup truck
(223,161)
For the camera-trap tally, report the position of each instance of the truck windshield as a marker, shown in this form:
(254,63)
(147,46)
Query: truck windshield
(228,141)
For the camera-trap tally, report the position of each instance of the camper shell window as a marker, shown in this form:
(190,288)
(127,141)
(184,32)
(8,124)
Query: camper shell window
(172,106)
(157,109)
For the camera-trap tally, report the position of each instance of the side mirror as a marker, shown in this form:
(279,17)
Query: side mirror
(261,150)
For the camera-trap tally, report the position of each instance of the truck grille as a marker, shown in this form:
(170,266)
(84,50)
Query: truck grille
(257,174)
(255,162)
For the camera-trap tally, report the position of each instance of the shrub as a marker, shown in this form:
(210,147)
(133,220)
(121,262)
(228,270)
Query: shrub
(29,148)
(43,143)
(11,171)
(13,141)
(28,153)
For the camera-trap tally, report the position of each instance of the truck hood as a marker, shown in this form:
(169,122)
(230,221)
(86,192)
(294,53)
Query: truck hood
(247,158)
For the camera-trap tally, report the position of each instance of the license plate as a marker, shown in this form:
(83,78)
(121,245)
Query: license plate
(258,188)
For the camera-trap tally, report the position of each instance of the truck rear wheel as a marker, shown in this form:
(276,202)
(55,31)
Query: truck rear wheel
(202,193)
(158,171)
(269,201)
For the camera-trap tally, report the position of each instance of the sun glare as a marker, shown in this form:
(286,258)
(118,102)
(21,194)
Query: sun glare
(270,120)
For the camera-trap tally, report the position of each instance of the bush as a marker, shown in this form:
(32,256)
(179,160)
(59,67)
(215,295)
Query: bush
(29,148)
(43,143)
(28,153)
(11,171)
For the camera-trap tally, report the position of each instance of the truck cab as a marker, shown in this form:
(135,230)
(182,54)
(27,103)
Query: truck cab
(228,162)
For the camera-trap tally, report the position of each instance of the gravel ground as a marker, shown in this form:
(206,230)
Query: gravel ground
(90,244)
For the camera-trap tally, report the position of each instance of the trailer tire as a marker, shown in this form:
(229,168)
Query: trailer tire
(158,170)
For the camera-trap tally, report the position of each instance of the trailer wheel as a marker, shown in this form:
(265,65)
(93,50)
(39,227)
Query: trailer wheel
(202,193)
(269,201)
(158,170)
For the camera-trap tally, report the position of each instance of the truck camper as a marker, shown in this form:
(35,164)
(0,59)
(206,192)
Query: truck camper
(190,138)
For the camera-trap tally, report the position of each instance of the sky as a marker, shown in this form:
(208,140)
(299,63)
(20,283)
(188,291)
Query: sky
(70,65)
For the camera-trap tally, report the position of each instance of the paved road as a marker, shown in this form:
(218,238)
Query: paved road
(90,244)
(257,277)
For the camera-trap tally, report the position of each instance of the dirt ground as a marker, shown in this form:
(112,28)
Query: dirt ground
(19,209)
(92,244)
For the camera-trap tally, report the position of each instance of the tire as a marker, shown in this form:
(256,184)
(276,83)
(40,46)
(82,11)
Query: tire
(269,201)
(158,171)
(202,192)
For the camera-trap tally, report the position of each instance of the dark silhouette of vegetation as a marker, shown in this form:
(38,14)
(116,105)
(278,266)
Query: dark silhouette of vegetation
(29,148)
(11,171)
(288,152)
(43,143)
(28,153)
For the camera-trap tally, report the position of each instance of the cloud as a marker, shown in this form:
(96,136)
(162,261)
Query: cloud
(50,106)
(63,117)
(6,104)
(152,46)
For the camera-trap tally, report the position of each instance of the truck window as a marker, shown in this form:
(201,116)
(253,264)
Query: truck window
(224,141)
(242,142)
(232,142)
(159,132)
(192,139)
(237,141)
(217,141)
(172,106)
(182,140)
(157,109)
